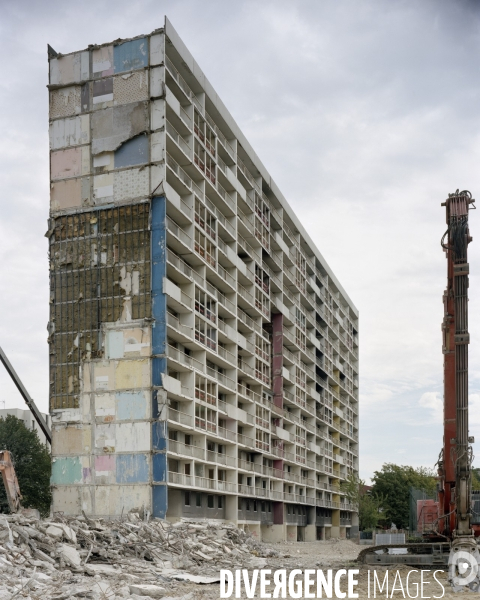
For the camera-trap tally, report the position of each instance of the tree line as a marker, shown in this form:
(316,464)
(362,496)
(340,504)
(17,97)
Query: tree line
(386,501)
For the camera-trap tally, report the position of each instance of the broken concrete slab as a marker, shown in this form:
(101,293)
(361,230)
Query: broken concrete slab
(55,531)
(69,554)
(195,578)
(154,591)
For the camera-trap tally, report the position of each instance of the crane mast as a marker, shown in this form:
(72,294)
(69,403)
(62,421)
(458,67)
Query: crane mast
(455,465)
(450,539)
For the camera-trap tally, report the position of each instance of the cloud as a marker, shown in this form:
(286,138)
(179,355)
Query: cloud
(433,402)
(365,114)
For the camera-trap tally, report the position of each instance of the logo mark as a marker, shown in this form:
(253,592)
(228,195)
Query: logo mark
(463,568)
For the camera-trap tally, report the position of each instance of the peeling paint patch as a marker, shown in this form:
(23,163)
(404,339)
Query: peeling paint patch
(132,468)
(70,162)
(132,152)
(70,68)
(69,193)
(131,405)
(133,437)
(115,344)
(130,55)
(159,435)
(69,132)
(103,187)
(113,126)
(132,374)
(105,406)
(67,470)
(102,61)
(105,469)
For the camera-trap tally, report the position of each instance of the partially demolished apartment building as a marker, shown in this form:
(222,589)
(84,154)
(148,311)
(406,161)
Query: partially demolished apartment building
(203,356)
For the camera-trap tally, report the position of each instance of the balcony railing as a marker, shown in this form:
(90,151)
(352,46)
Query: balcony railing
(173,133)
(179,417)
(179,263)
(182,83)
(179,233)
(182,175)
(186,449)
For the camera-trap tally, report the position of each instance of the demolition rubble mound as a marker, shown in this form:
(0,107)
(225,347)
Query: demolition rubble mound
(67,557)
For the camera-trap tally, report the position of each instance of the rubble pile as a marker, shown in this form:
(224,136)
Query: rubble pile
(128,558)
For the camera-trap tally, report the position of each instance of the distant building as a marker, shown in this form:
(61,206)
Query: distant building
(26,416)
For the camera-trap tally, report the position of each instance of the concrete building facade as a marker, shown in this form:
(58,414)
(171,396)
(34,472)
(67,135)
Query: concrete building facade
(204,358)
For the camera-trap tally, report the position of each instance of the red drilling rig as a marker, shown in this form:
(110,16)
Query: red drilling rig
(451,540)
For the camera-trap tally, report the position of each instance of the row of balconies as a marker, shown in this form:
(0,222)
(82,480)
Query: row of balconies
(244,392)
(286,270)
(229,147)
(195,452)
(204,483)
(243,293)
(233,437)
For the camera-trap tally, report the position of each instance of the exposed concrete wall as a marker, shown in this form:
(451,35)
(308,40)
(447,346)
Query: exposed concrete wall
(104,445)
(108,445)
(273,533)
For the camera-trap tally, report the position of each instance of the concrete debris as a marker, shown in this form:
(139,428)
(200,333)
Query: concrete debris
(154,591)
(63,558)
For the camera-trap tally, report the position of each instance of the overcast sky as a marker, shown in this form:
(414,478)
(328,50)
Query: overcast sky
(366,114)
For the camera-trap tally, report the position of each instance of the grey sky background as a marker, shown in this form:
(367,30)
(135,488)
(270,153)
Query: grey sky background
(365,113)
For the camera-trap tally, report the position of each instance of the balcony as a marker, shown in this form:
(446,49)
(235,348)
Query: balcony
(245,440)
(179,417)
(184,330)
(182,84)
(227,434)
(180,235)
(221,138)
(247,490)
(181,358)
(179,264)
(193,481)
(221,378)
(178,139)
(186,449)
(185,179)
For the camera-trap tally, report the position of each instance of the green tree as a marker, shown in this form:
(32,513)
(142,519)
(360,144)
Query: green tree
(369,507)
(32,463)
(392,484)
(476,480)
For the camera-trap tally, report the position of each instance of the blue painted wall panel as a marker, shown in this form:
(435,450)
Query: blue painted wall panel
(133,152)
(132,468)
(159,299)
(130,55)
(159,501)
(159,362)
(159,468)
(131,406)
(159,435)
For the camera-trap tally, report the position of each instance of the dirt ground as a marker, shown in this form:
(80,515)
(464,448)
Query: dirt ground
(341,554)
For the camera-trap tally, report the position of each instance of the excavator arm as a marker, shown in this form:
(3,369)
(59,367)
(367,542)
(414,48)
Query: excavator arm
(10,481)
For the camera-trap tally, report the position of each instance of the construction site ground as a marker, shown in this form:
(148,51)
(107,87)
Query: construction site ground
(138,558)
